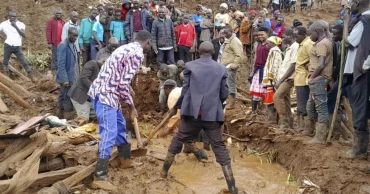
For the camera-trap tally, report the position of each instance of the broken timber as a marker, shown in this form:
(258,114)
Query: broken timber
(16,97)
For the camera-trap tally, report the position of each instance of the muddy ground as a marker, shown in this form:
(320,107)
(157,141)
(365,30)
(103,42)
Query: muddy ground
(322,165)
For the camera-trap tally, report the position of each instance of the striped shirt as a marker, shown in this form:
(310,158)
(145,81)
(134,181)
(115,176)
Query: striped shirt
(116,74)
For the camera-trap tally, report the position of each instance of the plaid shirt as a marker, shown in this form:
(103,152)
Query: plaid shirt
(116,74)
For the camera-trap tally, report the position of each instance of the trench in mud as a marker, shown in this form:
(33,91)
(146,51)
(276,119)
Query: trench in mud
(253,174)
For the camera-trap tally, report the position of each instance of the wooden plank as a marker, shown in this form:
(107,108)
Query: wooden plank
(47,178)
(3,107)
(23,127)
(21,91)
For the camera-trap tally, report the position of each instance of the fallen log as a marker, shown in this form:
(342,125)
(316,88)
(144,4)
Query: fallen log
(242,98)
(19,74)
(66,185)
(18,89)
(3,107)
(47,178)
(53,164)
(15,97)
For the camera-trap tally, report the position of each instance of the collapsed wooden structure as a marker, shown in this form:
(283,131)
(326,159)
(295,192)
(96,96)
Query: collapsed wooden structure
(48,157)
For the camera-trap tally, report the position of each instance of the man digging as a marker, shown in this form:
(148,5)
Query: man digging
(202,109)
(111,86)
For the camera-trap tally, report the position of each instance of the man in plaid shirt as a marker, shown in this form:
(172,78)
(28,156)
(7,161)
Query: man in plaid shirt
(111,86)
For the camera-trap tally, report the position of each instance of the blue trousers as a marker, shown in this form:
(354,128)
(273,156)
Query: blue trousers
(64,101)
(112,128)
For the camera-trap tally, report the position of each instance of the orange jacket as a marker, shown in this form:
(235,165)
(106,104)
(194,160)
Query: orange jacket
(246,31)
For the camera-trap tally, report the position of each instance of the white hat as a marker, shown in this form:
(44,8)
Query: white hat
(224,5)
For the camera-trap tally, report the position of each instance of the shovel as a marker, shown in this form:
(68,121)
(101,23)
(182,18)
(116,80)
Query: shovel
(164,121)
(140,151)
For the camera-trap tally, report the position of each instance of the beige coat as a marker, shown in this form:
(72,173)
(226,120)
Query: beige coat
(233,50)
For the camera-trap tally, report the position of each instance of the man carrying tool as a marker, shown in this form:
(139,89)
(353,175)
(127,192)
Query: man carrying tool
(202,109)
(174,94)
(359,39)
(111,86)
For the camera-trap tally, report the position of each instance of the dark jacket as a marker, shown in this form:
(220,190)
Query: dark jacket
(175,14)
(336,59)
(66,63)
(216,46)
(198,75)
(363,50)
(163,34)
(78,91)
(52,31)
(106,26)
(129,23)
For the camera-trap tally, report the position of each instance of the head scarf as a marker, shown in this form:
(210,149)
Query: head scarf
(276,12)
(224,5)
(252,12)
(274,39)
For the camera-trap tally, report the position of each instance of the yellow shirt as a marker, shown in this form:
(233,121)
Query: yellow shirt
(303,57)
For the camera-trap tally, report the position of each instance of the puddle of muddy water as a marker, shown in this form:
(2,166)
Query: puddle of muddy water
(252,173)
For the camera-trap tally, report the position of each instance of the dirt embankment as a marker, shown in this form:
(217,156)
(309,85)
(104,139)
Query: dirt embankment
(320,164)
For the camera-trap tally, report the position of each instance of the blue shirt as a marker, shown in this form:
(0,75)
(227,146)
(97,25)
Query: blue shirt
(85,32)
(116,26)
(267,23)
(99,29)
(197,19)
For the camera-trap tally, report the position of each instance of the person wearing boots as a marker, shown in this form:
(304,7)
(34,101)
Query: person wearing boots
(173,94)
(202,109)
(111,86)
(320,71)
(359,38)
(257,91)
(285,83)
(305,126)
(273,63)
(231,58)
(14,31)
(67,72)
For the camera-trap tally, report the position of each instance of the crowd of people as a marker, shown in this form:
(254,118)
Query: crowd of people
(197,58)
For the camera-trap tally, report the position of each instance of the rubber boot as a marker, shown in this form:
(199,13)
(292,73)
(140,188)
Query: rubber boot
(301,123)
(207,146)
(100,176)
(231,103)
(192,148)
(254,107)
(359,149)
(230,180)
(30,75)
(124,155)
(60,114)
(337,130)
(271,114)
(284,122)
(167,164)
(321,134)
(309,127)
(69,115)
